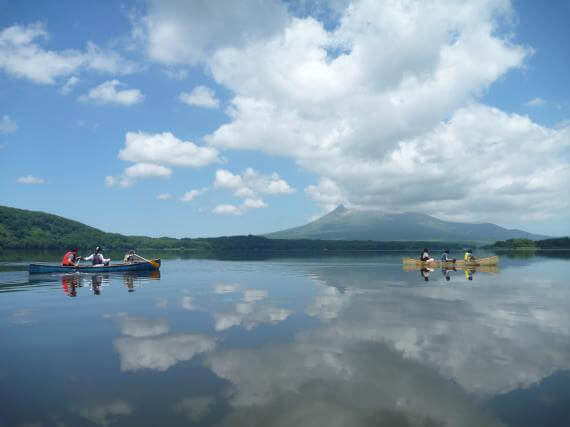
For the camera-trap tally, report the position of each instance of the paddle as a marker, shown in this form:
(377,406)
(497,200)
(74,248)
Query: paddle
(154,263)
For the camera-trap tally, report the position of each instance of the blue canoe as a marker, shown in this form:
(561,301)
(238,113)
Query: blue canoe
(137,266)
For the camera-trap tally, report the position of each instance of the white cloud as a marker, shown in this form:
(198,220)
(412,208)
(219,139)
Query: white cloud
(143,170)
(370,105)
(201,96)
(119,181)
(30,179)
(226,179)
(22,56)
(535,102)
(246,205)
(187,303)
(247,186)
(164,196)
(160,353)
(250,295)
(7,124)
(195,408)
(253,204)
(192,194)
(181,32)
(165,148)
(69,85)
(143,327)
(138,171)
(249,310)
(226,288)
(104,413)
(227,210)
(327,194)
(107,93)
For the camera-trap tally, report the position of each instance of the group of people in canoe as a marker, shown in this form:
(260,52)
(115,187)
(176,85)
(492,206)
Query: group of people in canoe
(426,257)
(71,258)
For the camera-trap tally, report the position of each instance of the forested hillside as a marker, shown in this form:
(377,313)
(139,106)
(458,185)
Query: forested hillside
(23,229)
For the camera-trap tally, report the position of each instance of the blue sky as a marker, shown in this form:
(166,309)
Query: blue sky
(210,118)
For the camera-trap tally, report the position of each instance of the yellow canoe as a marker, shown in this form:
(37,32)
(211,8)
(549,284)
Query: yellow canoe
(491,260)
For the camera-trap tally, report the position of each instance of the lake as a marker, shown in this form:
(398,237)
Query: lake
(289,341)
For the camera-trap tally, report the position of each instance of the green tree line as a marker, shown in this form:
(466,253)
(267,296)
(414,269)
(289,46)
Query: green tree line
(23,229)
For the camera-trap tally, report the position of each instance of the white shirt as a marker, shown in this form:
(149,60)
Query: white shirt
(90,258)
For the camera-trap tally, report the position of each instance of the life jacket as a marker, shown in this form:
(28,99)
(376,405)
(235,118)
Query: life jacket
(467,256)
(66,258)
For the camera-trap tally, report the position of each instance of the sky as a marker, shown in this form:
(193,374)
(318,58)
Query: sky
(207,117)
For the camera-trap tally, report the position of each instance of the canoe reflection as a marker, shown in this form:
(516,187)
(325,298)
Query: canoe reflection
(96,282)
(449,272)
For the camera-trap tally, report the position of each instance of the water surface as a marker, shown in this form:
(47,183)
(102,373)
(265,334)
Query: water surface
(331,341)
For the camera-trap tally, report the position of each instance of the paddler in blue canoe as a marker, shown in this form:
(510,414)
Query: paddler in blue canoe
(71,258)
(97,258)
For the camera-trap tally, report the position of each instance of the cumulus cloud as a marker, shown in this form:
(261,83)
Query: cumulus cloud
(414,355)
(161,352)
(194,408)
(22,56)
(249,308)
(166,149)
(191,195)
(107,93)
(138,171)
(246,205)
(227,210)
(357,102)
(143,170)
(226,288)
(104,413)
(327,194)
(31,180)
(249,315)
(69,85)
(164,196)
(201,96)
(143,326)
(535,102)
(248,186)
(153,153)
(7,124)
(181,32)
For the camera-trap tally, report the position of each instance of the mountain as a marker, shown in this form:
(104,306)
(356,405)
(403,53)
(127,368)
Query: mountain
(352,224)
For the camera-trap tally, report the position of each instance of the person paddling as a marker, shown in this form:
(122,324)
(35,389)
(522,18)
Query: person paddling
(71,258)
(468,257)
(426,257)
(445,257)
(97,258)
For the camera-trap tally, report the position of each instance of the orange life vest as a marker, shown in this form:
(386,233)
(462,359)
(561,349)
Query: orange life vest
(66,258)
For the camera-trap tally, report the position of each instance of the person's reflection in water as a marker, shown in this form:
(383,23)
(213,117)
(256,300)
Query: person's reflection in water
(96,281)
(425,272)
(69,285)
(446,273)
(469,273)
(129,282)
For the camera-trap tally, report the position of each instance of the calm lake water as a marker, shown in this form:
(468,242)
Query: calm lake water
(330,341)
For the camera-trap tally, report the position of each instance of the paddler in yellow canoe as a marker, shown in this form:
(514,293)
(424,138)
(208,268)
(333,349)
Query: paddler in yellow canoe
(445,257)
(468,257)
(426,257)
